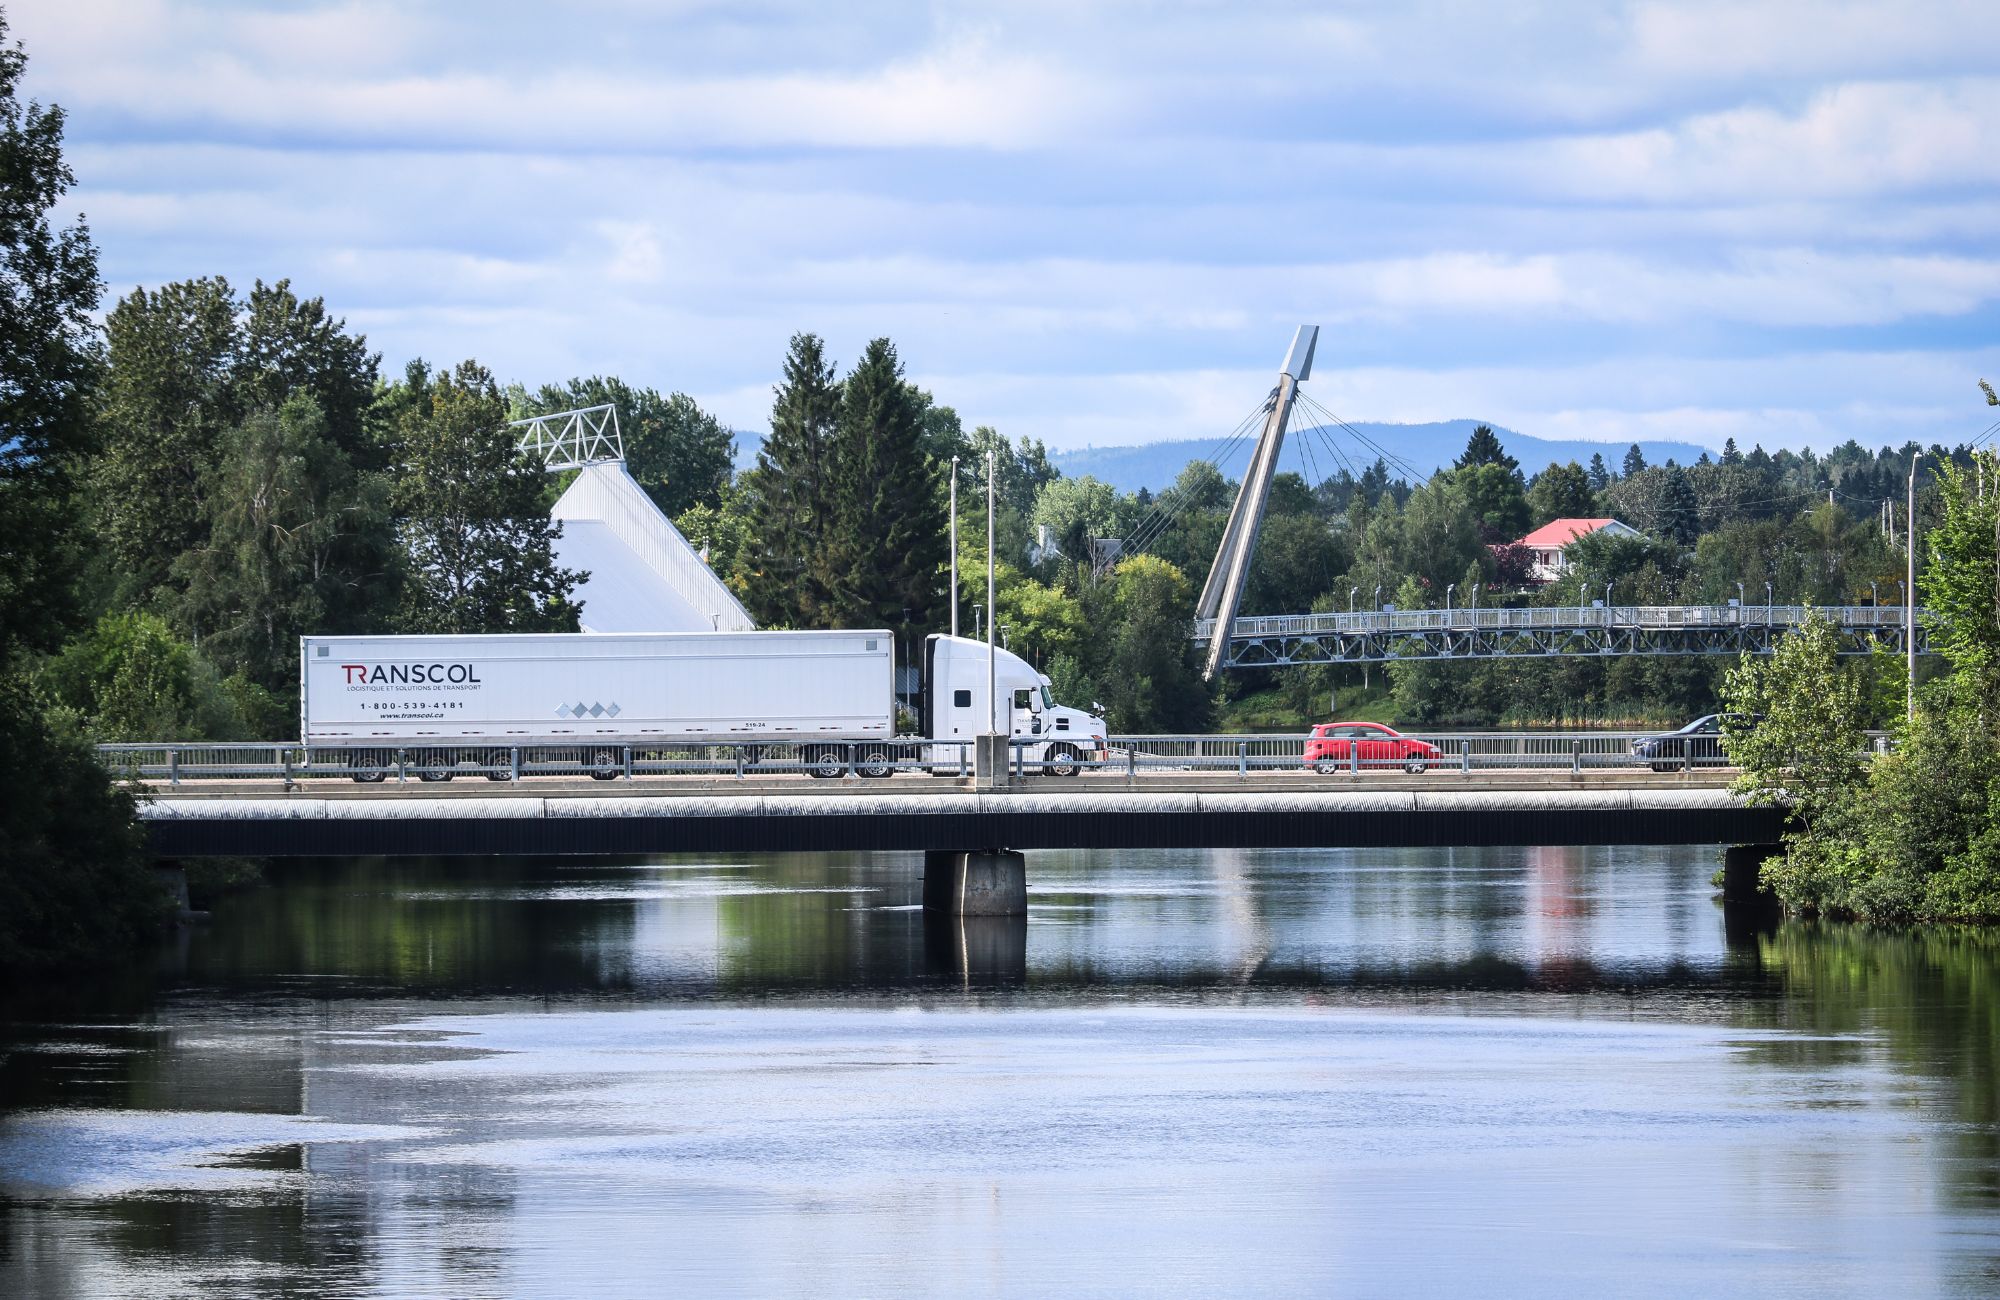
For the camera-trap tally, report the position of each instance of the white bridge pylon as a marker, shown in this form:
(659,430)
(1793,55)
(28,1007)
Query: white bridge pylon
(1223,592)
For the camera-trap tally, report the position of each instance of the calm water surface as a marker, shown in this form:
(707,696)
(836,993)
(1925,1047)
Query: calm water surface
(1289,1073)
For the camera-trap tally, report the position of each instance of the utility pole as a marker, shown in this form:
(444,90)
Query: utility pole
(954,546)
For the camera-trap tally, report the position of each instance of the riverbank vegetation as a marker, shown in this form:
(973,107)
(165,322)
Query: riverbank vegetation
(1914,834)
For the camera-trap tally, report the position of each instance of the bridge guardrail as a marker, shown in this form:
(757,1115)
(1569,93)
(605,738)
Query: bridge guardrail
(1555,616)
(1129,756)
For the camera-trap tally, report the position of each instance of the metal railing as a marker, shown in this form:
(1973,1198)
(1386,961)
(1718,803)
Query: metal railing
(1557,616)
(1548,752)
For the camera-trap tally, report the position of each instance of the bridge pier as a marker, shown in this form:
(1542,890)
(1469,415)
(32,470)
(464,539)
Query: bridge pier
(984,882)
(1741,865)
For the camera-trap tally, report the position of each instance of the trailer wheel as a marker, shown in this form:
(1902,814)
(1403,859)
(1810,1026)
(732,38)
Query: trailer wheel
(359,765)
(437,765)
(1062,760)
(875,763)
(604,765)
(497,763)
(826,761)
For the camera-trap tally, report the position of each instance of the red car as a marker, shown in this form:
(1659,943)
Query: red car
(1332,747)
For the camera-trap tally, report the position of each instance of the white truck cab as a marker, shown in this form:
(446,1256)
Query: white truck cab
(1058,739)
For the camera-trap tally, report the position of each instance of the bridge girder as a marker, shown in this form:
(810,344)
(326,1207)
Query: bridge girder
(1370,646)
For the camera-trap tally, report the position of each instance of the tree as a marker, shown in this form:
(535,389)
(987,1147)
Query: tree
(885,542)
(785,563)
(48,360)
(470,508)
(1635,460)
(1075,510)
(289,347)
(130,679)
(299,542)
(1153,678)
(1676,516)
(680,454)
(1599,476)
(168,399)
(73,877)
(1561,492)
(1483,448)
(1731,456)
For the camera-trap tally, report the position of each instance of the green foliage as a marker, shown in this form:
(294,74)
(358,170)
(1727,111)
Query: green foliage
(721,531)
(1483,448)
(74,884)
(130,678)
(1563,492)
(885,538)
(73,881)
(785,569)
(299,542)
(479,538)
(680,454)
(1959,585)
(1075,510)
(1807,752)
(1155,680)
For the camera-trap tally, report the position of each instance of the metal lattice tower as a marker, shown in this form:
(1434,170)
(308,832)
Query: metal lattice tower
(572,439)
(1223,592)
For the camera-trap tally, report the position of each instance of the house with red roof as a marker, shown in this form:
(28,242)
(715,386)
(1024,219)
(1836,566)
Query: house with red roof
(1553,538)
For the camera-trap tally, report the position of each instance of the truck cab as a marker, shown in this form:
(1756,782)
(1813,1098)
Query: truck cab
(1049,736)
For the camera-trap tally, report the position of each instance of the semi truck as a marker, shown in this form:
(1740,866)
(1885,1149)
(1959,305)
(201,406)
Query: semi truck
(590,700)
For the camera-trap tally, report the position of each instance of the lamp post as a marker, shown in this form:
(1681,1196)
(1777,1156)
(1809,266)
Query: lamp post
(1739,595)
(992,663)
(1352,592)
(1449,587)
(954,546)
(1909,609)
(1767,602)
(1874,600)
(1378,598)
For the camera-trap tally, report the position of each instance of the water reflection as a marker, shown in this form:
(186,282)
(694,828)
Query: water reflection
(1245,1071)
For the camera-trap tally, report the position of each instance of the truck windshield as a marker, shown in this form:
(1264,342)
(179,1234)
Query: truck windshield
(1048,701)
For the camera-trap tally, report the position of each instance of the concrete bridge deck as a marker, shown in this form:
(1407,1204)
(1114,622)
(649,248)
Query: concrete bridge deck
(681,814)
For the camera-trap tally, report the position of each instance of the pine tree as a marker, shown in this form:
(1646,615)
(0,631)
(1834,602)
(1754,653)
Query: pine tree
(1676,515)
(783,567)
(886,531)
(1731,456)
(1635,460)
(1483,448)
(1600,477)
(473,519)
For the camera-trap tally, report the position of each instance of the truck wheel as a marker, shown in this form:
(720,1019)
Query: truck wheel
(826,762)
(604,765)
(497,764)
(875,763)
(1062,760)
(436,766)
(358,763)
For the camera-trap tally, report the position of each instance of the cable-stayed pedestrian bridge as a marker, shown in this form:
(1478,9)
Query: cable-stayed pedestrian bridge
(1282,640)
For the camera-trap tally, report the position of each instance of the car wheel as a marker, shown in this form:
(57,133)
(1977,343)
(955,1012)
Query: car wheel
(1416,765)
(1325,766)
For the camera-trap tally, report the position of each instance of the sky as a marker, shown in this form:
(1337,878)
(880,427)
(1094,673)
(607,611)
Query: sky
(1094,224)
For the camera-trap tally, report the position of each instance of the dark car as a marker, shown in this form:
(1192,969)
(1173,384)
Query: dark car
(1698,744)
(1337,745)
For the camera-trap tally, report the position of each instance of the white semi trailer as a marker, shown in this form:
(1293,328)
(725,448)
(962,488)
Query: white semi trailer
(590,699)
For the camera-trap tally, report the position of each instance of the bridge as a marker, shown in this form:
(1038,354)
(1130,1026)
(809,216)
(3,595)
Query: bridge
(1388,636)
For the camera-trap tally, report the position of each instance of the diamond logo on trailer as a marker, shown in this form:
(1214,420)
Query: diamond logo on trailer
(580,710)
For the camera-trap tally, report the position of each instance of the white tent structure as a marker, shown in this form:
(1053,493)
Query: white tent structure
(644,577)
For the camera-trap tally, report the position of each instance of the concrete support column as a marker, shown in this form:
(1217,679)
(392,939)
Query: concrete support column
(988,882)
(990,762)
(1741,864)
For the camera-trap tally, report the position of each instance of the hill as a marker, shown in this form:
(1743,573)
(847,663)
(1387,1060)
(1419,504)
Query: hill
(1425,448)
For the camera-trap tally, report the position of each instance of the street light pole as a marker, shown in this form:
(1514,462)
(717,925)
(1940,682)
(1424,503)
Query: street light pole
(1909,591)
(1448,589)
(954,546)
(992,610)
(1352,592)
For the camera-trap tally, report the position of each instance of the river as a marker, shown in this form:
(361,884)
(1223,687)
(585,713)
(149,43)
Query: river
(1500,1071)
